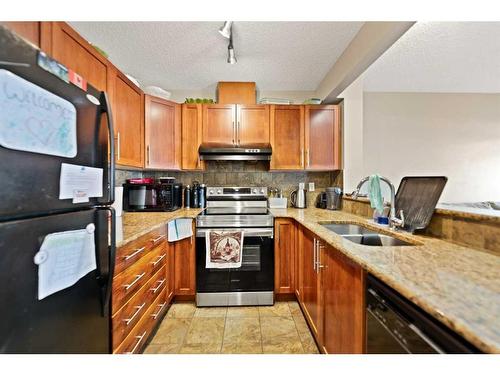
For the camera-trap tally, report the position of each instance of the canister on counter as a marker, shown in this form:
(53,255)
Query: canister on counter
(187,196)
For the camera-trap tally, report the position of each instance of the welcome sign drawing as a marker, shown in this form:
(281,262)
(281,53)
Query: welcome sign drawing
(35,120)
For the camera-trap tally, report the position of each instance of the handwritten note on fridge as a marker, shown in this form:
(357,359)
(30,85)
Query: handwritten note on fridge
(63,259)
(34,119)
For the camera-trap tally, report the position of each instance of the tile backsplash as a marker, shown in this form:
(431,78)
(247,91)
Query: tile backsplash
(244,173)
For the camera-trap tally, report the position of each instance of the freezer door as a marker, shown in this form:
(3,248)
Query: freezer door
(73,320)
(29,181)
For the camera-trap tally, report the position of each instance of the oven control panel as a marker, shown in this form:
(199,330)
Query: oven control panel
(236,191)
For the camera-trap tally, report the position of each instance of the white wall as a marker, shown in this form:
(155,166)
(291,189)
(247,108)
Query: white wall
(456,135)
(353,134)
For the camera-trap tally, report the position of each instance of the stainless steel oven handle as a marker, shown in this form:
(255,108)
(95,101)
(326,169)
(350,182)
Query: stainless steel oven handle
(253,232)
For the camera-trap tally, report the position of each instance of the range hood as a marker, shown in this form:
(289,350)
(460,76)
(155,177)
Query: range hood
(215,151)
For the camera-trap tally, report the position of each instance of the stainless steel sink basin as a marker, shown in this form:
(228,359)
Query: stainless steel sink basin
(364,236)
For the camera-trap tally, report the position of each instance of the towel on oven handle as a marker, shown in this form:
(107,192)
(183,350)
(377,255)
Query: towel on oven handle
(224,249)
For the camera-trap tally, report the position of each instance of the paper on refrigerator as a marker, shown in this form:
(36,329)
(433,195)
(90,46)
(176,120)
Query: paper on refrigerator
(79,182)
(64,258)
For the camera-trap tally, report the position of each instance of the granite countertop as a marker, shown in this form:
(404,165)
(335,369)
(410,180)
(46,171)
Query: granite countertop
(132,225)
(457,285)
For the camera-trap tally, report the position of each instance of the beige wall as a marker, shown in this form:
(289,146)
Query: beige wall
(456,135)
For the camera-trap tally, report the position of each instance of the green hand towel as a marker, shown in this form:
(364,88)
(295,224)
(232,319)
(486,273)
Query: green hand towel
(375,194)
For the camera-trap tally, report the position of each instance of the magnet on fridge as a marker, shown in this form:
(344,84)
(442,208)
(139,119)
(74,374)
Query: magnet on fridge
(90,228)
(40,257)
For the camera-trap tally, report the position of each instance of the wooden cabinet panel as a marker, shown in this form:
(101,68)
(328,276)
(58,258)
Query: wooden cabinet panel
(219,124)
(30,31)
(252,124)
(69,48)
(287,137)
(170,271)
(192,128)
(284,256)
(236,93)
(162,133)
(185,267)
(127,106)
(343,300)
(322,137)
(309,281)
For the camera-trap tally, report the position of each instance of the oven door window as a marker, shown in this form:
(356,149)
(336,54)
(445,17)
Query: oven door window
(255,274)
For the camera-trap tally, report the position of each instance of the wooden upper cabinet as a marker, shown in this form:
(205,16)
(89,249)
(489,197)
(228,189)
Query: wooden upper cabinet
(287,137)
(162,133)
(219,123)
(192,128)
(343,301)
(284,254)
(127,106)
(322,137)
(252,124)
(69,48)
(30,31)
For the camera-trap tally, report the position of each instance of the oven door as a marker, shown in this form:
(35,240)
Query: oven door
(256,272)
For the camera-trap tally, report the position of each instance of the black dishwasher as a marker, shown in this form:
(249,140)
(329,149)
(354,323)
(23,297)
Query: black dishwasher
(395,325)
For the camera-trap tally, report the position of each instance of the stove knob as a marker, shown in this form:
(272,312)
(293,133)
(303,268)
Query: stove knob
(254,191)
(211,192)
(262,191)
(219,191)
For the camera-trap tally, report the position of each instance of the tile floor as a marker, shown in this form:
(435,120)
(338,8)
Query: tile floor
(278,329)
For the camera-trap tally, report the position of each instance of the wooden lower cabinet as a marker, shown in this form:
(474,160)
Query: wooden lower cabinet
(331,295)
(284,256)
(142,290)
(309,287)
(185,267)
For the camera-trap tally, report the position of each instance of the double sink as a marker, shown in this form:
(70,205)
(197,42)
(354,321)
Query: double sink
(364,236)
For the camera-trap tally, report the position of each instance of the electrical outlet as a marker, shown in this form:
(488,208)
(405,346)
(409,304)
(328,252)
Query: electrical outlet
(311,186)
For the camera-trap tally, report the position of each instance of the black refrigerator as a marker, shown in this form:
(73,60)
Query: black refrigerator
(35,93)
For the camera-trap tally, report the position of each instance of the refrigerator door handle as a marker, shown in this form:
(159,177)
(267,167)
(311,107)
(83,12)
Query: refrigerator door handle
(106,108)
(106,310)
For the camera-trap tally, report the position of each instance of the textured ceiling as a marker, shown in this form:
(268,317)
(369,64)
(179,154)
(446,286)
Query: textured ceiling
(192,55)
(440,57)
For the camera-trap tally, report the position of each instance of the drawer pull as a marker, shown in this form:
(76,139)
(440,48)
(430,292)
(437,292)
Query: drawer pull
(161,282)
(157,239)
(158,260)
(162,305)
(139,308)
(137,278)
(139,340)
(127,257)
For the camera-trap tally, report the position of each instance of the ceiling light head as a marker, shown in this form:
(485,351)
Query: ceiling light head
(225,30)
(231,58)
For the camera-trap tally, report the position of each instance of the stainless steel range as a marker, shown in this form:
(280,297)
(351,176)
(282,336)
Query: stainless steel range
(230,209)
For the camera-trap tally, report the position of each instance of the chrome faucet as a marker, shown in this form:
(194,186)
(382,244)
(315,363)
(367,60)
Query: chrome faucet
(394,221)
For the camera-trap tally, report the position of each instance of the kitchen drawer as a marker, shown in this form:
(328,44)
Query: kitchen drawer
(128,254)
(133,278)
(135,341)
(128,316)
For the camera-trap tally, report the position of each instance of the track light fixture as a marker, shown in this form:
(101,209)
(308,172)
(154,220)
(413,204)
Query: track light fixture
(227,32)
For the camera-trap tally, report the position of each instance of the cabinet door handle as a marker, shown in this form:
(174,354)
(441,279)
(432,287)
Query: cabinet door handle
(137,278)
(155,240)
(319,265)
(302,157)
(161,282)
(234,133)
(158,260)
(308,158)
(127,257)
(138,309)
(162,305)
(314,254)
(238,132)
(118,153)
(139,340)
(147,155)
